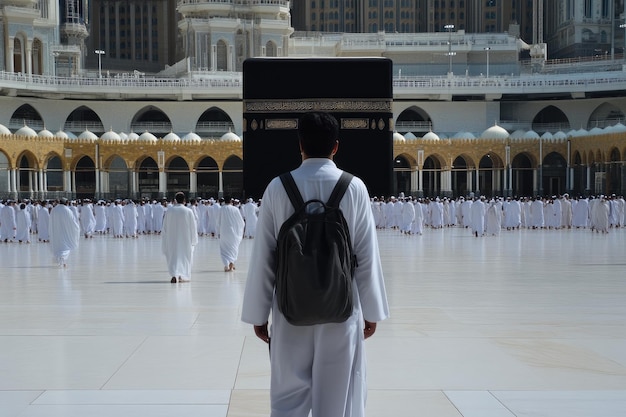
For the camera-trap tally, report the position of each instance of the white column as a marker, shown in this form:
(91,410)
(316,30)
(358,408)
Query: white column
(220,184)
(420,181)
(13,180)
(468,175)
(162,183)
(9,55)
(414,181)
(29,58)
(42,184)
(477,179)
(193,182)
(67,181)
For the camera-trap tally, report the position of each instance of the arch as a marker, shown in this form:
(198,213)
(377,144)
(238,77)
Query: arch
(118,177)
(148,173)
(27,170)
(432,175)
(207,177)
(54,173)
(550,119)
(37,57)
(554,169)
(5,168)
(26,115)
(232,175)
(85,177)
(271,49)
(606,114)
(83,118)
(490,175)
(402,174)
(522,171)
(214,122)
(221,57)
(177,173)
(461,172)
(18,53)
(415,120)
(580,173)
(151,119)
(614,172)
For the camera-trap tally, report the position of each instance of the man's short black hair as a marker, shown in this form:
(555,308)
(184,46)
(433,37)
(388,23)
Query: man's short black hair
(180,197)
(318,132)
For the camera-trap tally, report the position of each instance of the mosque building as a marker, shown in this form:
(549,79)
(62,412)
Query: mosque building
(473,113)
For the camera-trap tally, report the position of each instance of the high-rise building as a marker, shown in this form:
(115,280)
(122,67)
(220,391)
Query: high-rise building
(133,35)
(409,16)
(584,27)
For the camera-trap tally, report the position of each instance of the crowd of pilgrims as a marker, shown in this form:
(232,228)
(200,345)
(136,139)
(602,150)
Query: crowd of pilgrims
(19,220)
(488,216)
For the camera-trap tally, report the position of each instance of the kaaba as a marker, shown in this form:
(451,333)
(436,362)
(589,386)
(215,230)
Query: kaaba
(356,91)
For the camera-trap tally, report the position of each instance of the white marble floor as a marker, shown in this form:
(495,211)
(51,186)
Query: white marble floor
(528,324)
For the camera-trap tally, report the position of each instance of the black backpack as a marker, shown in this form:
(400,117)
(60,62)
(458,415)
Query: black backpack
(315,259)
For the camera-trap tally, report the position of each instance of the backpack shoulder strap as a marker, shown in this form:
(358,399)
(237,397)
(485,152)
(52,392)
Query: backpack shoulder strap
(292,190)
(340,189)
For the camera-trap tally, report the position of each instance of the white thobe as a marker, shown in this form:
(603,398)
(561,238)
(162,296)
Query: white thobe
(333,384)
(116,219)
(23,222)
(7,223)
(408,215)
(231,226)
(178,237)
(493,220)
(130,219)
(87,219)
(43,223)
(477,214)
(101,218)
(158,211)
(64,232)
(250,216)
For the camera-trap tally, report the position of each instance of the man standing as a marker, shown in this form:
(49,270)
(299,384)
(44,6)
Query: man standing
(230,227)
(179,236)
(8,223)
(334,383)
(64,232)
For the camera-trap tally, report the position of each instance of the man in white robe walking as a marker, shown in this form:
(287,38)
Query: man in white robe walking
(64,232)
(333,384)
(230,226)
(179,236)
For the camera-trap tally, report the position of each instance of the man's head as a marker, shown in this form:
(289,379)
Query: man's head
(318,133)
(180,197)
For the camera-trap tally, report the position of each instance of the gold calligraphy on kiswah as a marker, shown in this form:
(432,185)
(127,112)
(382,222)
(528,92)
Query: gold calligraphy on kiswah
(268,106)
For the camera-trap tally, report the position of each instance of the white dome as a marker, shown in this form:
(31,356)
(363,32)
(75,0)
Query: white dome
(4,130)
(463,135)
(572,132)
(531,134)
(518,134)
(547,135)
(230,137)
(61,134)
(191,137)
(45,133)
(133,136)
(111,136)
(560,135)
(397,137)
(123,136)
(87,135)
(147,137)
(410,136)
(581,132)
(495,132)
(431,136)
(26,131)
(596,131)
(619,128)
(171,137)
